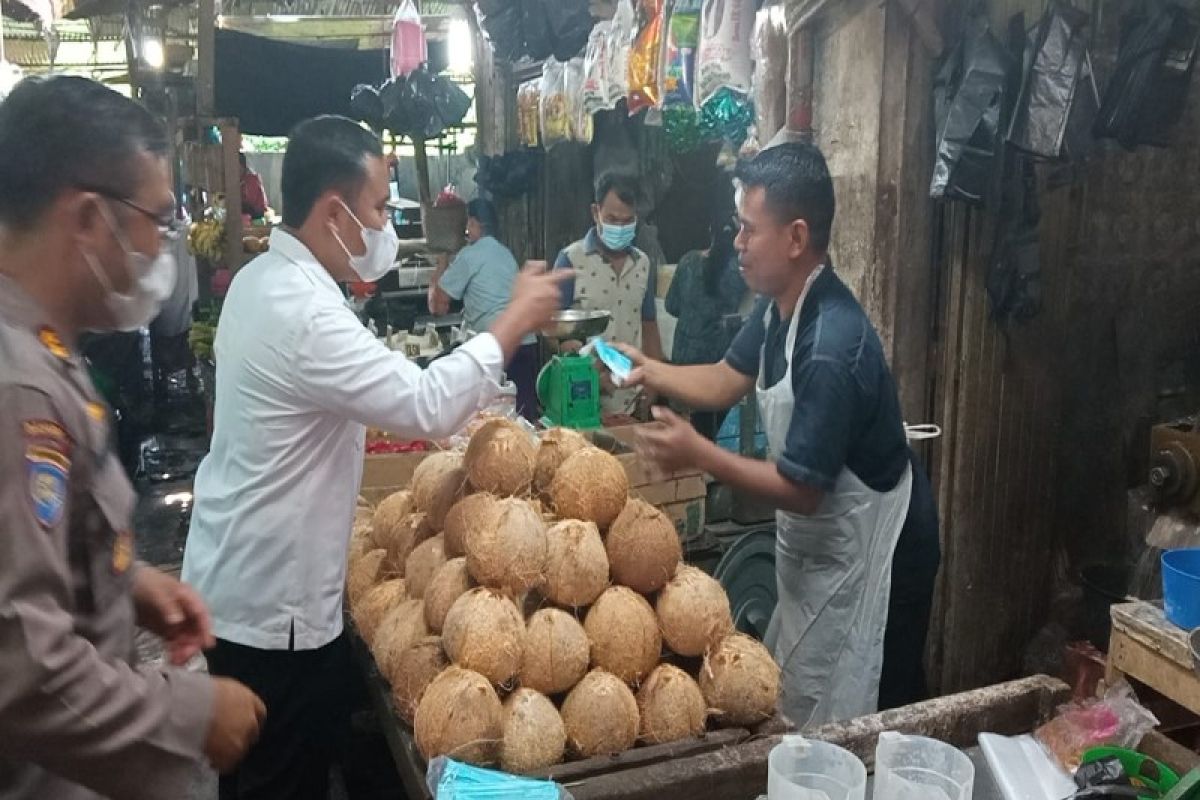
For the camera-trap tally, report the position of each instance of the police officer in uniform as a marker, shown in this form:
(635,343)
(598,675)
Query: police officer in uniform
(85,201)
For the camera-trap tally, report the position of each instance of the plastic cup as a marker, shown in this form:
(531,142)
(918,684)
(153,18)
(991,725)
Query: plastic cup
(917,768)
(804,769)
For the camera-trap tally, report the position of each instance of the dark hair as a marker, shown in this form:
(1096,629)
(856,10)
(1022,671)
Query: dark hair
(483,210)
(723,230)
(64,132)
(323,153)
(624,186)
(797,183)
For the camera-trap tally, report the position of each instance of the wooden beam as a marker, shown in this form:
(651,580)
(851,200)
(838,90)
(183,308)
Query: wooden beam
(206,70)
(231,142)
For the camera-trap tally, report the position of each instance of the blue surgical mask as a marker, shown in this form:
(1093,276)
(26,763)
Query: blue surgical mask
(618,237)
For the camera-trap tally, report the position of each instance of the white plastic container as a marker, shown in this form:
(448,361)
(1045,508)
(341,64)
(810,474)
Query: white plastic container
(917,768)
(803,769)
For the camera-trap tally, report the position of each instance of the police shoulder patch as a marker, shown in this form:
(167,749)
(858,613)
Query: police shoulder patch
(47,471)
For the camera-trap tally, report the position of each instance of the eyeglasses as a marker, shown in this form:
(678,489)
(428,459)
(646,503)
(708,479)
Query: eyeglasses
(168,226)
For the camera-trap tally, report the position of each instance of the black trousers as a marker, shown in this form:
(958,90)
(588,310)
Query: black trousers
(308,718)
(914,571)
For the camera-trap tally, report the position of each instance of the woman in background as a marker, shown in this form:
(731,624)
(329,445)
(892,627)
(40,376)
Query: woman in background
(704,297)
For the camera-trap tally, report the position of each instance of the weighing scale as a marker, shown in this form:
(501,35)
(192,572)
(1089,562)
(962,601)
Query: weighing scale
(568,386)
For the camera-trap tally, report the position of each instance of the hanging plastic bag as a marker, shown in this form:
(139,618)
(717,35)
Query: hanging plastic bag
(409,49)
(556,122)
(366,105)
(682,39)
(581,120)
(1149,86)
(647,56)
(723,60)
(969,96)
(595,69)
(529,97)
(770,53)
(621,37)
(501,21)
(570,24)
(535,26)
(1054,83)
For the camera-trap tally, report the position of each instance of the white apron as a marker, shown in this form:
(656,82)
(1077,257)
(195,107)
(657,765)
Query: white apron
(834,573)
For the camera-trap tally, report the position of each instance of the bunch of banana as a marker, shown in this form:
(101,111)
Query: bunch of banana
(206,239)
(200,338)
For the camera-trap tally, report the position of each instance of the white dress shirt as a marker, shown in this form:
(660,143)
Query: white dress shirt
(298,377)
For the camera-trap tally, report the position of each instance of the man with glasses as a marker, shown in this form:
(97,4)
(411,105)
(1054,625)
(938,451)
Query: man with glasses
(85,203)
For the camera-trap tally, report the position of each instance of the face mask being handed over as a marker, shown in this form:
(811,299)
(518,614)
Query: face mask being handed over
(617,237)
(153,280)
(380,255)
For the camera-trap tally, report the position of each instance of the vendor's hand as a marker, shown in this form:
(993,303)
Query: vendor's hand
(439,301)
(670,442)
(537,295)
(236,721)
(174,611)
(607,385)
(642,373)
(570,346)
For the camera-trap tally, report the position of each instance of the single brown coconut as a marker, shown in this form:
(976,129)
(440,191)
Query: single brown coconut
(460,716)
(410,532)
(472,511)
(425,559)
(643,548)
(413,671)
(624,634)
(437,484)
(590,485)
(576,564)
(557,445)
(671,706)
(401,628)
(693,612)
(600,716)
(740,681)
(484,632)
(500,459)
(375,605)
(556,652)
(362,574)
(534,735)
(450,582)
(361,542)
(510,552)
(388,514)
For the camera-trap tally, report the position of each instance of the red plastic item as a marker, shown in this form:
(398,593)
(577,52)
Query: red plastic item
(362,290)
(386,446)
(409,48)
(448,197)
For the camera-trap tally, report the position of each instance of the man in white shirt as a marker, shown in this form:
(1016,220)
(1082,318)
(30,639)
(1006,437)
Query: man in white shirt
(298,378)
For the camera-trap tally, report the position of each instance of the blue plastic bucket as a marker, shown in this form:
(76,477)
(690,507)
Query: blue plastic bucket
(1181,587)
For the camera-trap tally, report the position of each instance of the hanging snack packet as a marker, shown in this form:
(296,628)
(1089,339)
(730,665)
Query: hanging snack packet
(556,123)
(723,61)
(581,120)
(595,69)
(680,71)
(529,112)
(646,58)
(620,39)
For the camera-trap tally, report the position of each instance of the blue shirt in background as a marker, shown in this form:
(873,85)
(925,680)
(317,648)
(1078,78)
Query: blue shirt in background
(481,276)
(847,411)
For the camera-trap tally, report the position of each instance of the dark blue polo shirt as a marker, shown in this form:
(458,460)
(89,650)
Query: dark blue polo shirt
(847,412)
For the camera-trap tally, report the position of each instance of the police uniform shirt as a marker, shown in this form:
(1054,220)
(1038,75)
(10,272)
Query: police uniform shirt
(74,711)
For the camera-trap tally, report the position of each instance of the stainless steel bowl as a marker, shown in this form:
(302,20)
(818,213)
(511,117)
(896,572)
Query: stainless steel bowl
(576,324)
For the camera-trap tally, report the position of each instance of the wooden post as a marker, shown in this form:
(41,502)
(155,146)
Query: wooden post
(231,142)
(421,159)
(206,72)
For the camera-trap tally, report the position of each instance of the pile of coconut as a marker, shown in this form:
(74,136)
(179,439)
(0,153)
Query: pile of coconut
(526,610)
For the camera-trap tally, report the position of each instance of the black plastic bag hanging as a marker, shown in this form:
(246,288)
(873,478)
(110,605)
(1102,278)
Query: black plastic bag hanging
(969,97)
(367,105)
(1146,94)
(536,31)
(501,20)
(570,25)
(512,174)
(1057,83)
(451,101)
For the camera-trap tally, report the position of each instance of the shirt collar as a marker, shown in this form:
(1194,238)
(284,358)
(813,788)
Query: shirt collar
(287,245)
(820,286)
(18,306)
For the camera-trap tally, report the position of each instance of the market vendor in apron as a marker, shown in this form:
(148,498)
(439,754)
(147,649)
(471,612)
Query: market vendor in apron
(838,462)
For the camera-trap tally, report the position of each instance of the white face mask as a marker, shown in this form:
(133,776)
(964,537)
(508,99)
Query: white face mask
(153,281)
(381,247)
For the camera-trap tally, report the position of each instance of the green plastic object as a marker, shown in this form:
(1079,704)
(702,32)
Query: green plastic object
(569,390)
(1188,787)
(1154,775)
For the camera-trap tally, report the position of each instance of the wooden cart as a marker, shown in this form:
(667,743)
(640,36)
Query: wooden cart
(732,764)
